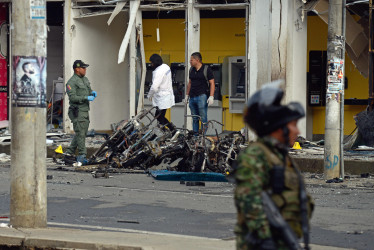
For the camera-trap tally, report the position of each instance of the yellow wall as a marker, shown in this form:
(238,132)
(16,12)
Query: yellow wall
(219,37)
(357,84)
(171,38)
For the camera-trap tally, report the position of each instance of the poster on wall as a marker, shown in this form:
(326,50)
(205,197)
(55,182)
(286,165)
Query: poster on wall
(37,9)
(3,62)
(335,76)
(29,81)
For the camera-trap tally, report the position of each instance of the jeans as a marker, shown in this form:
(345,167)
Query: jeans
(199,106)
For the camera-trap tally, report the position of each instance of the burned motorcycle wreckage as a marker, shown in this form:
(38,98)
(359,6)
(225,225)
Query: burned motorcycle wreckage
(141,143)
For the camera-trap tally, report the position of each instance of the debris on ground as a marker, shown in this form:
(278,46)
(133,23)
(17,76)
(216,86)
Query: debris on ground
(335,180)
(5,225)
(141,144)
(355,232)
(365,175)
(4,158)
(350,181)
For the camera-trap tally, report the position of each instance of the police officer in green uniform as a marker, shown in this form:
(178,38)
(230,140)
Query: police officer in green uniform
(80,95)
(266,166)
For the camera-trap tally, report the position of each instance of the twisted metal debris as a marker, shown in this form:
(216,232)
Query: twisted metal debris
(140,144)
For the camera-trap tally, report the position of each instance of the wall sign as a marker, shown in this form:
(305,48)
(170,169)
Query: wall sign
(37,9)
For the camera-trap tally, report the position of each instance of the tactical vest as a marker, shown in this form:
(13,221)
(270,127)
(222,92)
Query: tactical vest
(288,201)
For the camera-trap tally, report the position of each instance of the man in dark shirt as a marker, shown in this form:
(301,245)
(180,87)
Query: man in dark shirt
(200,86)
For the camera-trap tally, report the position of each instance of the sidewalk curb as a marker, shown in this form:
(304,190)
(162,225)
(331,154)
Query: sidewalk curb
(353,167)
(66,238)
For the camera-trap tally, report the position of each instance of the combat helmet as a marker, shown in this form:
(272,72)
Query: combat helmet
(265,113)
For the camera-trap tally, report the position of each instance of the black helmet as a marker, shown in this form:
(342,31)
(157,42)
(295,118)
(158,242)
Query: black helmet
(265,113)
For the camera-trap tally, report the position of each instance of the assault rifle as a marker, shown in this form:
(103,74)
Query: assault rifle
(278,223)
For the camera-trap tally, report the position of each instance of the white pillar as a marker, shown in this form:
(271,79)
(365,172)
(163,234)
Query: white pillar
(139,27)
(193,25)
(192,41)
(297,60)
(259,48)
(259,44)
(69,31)
(289,52)
(132,67)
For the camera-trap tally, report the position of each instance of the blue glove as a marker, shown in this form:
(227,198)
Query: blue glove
(94,93)
(90,98)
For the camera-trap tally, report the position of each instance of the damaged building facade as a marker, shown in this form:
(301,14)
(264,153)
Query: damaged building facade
(247,43)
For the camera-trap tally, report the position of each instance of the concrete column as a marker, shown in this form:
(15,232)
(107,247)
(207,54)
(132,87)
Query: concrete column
(259,44)
(192,42)
(193,22)
(335,90)
(28,192)
(132,67)
(69,32)
(259,48)
(139,27)
(289,52)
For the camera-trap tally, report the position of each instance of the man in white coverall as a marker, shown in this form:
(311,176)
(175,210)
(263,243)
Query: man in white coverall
(161,92)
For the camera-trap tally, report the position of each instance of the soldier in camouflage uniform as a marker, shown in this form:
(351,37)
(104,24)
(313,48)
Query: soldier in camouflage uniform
(80,95)
(276,127)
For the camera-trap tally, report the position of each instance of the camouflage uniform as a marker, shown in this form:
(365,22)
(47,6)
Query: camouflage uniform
(252,177)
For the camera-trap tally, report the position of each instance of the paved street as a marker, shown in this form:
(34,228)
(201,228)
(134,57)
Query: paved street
(343,217)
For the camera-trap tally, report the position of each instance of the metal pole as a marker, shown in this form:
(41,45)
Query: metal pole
(28,203)
(335,90)
(371,56)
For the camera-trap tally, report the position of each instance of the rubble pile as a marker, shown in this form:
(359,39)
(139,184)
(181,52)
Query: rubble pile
(139,145)
(4,158)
